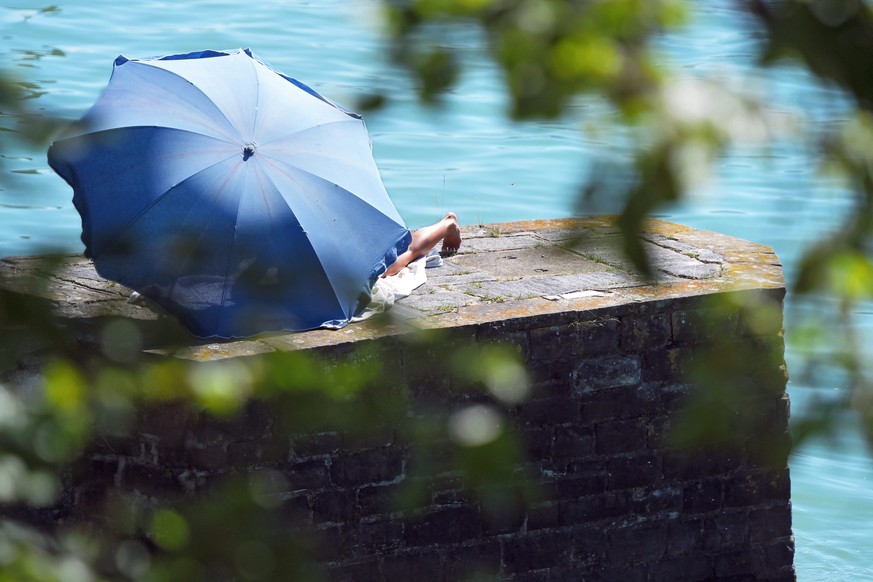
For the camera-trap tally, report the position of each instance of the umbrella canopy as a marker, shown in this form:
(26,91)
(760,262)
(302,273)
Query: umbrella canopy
(234,197)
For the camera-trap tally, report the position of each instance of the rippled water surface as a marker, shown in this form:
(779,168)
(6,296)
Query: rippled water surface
(466,157)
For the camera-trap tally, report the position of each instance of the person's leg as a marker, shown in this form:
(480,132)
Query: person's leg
(424,239)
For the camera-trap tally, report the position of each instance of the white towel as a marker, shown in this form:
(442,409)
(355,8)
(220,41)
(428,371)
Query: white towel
(387,290)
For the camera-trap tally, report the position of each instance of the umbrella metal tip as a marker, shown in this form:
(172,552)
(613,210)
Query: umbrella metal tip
(248,152)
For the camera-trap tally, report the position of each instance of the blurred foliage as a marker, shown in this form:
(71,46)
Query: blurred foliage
(551,52)
(61,399)
(20,122)
(68,403)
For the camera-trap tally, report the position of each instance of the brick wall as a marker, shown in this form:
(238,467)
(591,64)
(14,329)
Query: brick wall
(610,486)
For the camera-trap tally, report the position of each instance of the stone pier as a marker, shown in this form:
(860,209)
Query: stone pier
(621,474)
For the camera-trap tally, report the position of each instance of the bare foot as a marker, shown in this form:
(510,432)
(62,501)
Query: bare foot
(452,239)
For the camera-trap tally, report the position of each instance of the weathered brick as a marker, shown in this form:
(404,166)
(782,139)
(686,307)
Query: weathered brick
(333,506)
(638,543)
(739,562)
(597,336)
(295,509)
(151,480)
(703,496)
(479,561)
(210,456)
(445,525)
(429,391)
(541,575)
(538,442)
(94,479)
(257,418)
(769,451)
(686,569)
(419,564)
(574,441)
(169,421)
(612,572)
(645,331)
(745,490)
(660,432)
(634,471)
(517,342)
(243,453)
(551,379)
(578,485)
(332,543)
(379,535)
(727,530)
(543,516)
(769,524)
(364,571)
(620,402)
(648,501)
(684,536)
(621,436)
(606,372)
(589,545)
(535,551)
(780,554)
(310,474)
(372,437)
(783,574)
(548,411)
(585,466)
(453,497)
(433,458)
(778,484)
(666,365)
(376,499)
(574,339)
(703,325)
(595,507)
(500,515)
(325,443)
(701,463)
(378,465)
(674,397)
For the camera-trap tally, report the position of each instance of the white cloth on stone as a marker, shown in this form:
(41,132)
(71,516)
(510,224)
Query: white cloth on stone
(387,290)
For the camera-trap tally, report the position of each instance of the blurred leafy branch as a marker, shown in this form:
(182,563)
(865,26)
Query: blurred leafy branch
(551,52)
(67,399)
(68,403)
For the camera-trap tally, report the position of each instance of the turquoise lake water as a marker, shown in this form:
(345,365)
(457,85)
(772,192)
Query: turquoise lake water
(468,158)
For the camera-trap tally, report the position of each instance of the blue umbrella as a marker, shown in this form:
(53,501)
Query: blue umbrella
(233,196)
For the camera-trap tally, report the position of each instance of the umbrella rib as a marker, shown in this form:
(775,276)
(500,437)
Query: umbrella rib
(257,97)
(227,265)
(317,177)
(109,130)
(133,220)
(306,234)
(310,128)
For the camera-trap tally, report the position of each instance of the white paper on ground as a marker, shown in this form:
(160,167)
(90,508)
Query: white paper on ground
(576,295)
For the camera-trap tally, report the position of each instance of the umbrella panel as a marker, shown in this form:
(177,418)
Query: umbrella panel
(113,182)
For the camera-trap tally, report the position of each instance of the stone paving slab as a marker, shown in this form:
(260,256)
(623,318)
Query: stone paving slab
(503,271)
(542,260)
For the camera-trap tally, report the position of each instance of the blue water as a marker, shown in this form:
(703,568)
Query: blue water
(466,157)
